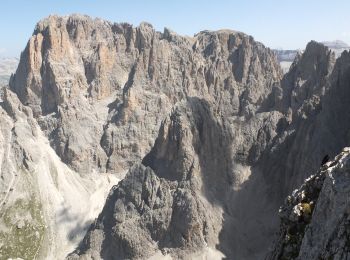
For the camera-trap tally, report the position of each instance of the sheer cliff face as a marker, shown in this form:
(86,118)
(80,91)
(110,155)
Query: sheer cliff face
(319,125)
(242,166)
(186,194)
(100,90)
(314,219)
(212,136)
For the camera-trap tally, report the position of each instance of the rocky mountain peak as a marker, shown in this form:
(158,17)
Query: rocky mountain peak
(74,66)
(210,134)
(308,75)
(316,58)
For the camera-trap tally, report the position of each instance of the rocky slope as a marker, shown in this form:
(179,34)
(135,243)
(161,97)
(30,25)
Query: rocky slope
(45,207)
(176,199)
(315,218)
(198,153)
(212,135)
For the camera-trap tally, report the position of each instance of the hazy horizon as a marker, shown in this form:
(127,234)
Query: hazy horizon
(289,25)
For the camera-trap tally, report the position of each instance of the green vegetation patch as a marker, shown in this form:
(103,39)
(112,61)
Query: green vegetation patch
(22,229)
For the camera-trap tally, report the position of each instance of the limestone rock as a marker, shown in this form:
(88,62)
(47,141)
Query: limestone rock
(195,155)
(162,206)
(45,207)
(320,229)
(93,85)
(245,164)
(213,135)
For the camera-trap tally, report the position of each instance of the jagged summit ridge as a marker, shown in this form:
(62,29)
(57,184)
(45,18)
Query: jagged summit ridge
(247,164)
(77,63)
(203,122)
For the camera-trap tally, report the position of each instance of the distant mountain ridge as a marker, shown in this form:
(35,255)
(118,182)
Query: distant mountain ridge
(337,44)
(8,66)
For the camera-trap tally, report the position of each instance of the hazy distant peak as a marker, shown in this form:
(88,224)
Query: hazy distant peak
(337,44)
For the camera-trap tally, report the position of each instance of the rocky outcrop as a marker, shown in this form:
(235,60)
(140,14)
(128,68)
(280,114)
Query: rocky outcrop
(161,201)
(242,159)
(45,207)
(315,218)
(191,176)
(92,84)
(213,135)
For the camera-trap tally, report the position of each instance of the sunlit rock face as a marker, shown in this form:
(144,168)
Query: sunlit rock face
(244,165)
(213,137)
(100,90)
(45,207)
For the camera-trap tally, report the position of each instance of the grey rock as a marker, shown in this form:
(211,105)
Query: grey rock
(214,136)
(247,165)
(315,218)
(196,155)
(137,212)
(160,202)
(92,84)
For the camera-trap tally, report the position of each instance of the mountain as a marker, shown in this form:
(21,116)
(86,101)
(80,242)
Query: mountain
(286,57)
(195,156)
(337,46)
(7,67)
(93,88)
(315,218)
(206,134)
(97,92)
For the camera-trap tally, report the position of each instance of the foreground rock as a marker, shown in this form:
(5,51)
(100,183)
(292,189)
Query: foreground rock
(315,219)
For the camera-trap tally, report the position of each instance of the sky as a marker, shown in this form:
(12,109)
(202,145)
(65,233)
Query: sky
(276,23)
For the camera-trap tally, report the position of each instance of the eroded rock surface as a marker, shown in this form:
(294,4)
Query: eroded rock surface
(214,138)
(45,207)
(246,164)
(100,90)
(315,218)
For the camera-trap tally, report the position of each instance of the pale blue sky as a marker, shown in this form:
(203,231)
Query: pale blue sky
(277,23)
